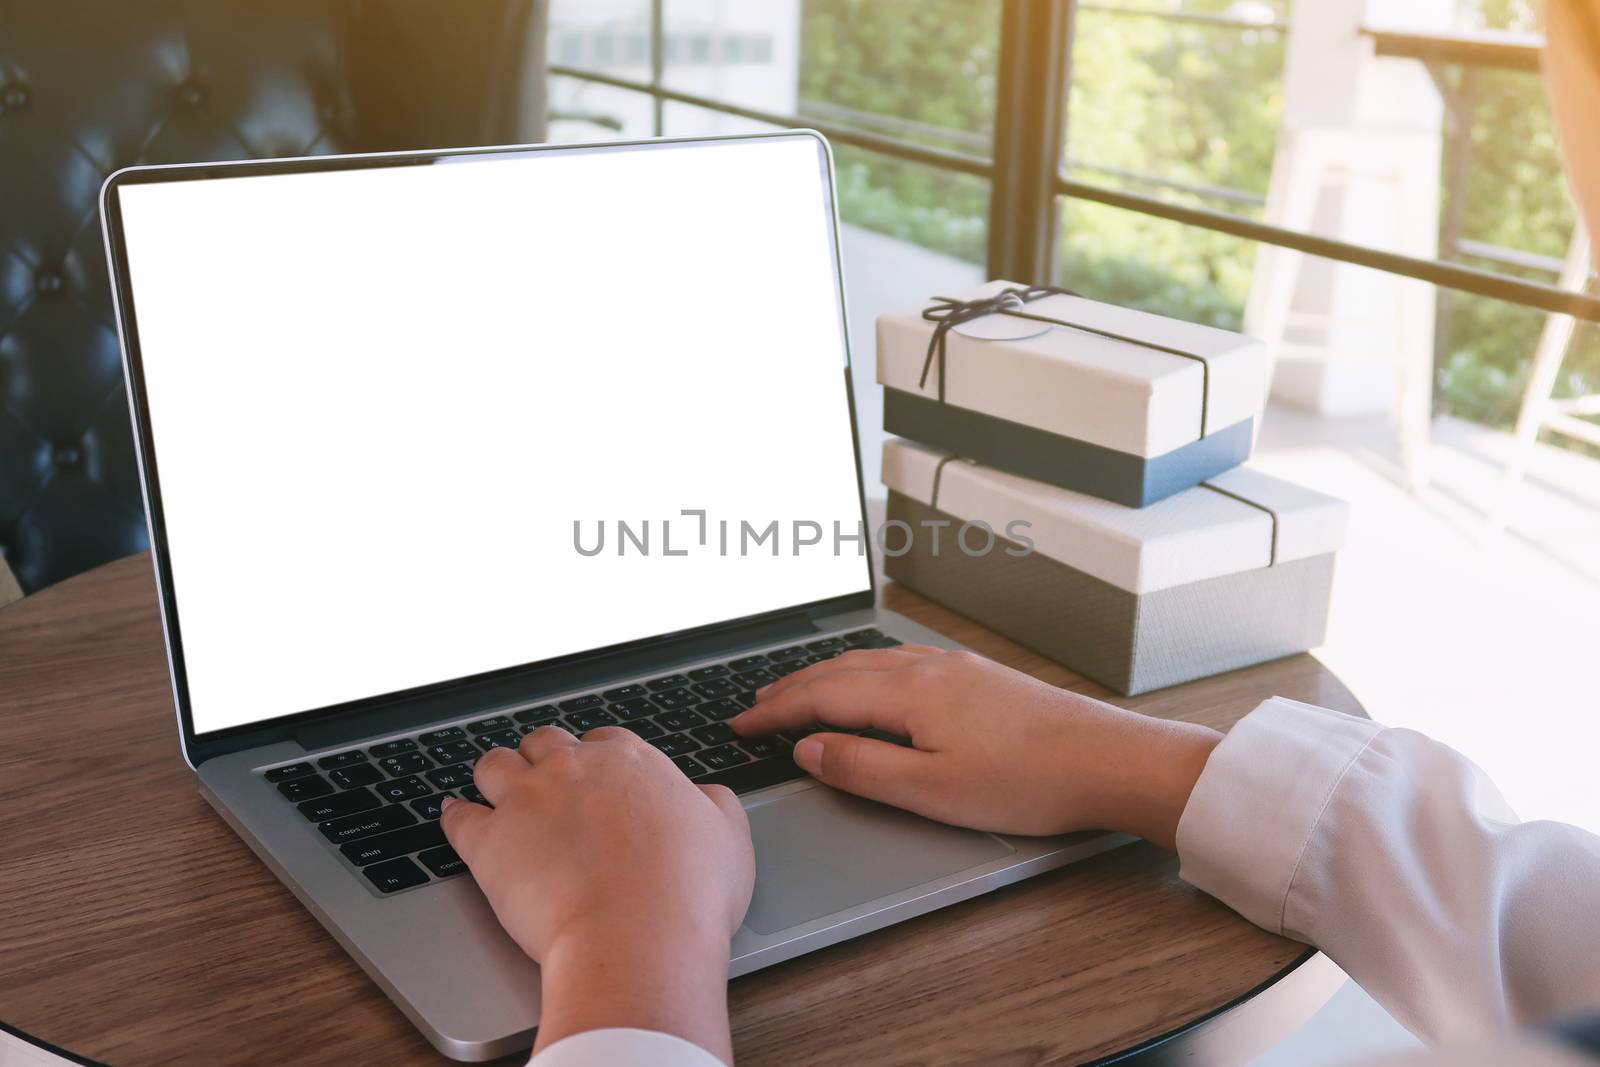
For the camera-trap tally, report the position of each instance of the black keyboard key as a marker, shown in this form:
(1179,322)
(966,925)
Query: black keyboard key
(758,774)
(541,714)
(350,777)
(747,663)
(624,692)
(294,770)
(450,777)
(688,765)
(298,789)
(746,699)
(474,794)
(633,708)
(429,808)
(763,747)
(453,752)
(718,733)
(395,843)
(400,789)
(395,875)
(392,748)
(827,644)
(484,726)
(755,679)
(583,703)
(367,823)
(443,861)
(830,654)
(700,674)
(439,737)
(788,667)
(404,764)
(666,681)
(862,637)
(675,744)
(715,689)
(673,721)
(718,709)
(339,805)
(644,728)
(501,739)
(782,654)
(593,719)
(673,699)
(885,642)
(722,757)
(342,759)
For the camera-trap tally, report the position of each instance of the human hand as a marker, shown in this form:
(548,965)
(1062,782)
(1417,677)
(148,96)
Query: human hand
(993,749)
(620,877)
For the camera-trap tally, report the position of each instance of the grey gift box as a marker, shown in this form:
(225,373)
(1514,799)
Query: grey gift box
(1225,575)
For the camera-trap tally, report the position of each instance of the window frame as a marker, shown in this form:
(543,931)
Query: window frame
(1027,178)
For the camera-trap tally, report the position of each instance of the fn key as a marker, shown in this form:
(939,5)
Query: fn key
(394,875)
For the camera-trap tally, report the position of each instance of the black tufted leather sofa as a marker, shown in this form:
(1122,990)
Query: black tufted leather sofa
(88,86)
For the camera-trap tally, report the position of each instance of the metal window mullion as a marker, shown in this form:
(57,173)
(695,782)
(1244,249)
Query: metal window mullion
(1437,272)
(658,64)
(1029,136)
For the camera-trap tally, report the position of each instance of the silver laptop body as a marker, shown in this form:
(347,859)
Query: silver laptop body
(278,317)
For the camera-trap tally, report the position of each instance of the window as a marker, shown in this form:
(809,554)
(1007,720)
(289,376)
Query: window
(1381,200)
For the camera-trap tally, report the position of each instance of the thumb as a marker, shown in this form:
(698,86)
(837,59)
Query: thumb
(463,823)
(867,767)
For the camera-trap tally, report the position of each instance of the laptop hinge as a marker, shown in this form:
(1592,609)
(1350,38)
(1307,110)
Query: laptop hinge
(529,686)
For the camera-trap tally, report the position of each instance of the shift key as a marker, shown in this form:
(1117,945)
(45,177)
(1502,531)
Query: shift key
(367,823)
(398,843)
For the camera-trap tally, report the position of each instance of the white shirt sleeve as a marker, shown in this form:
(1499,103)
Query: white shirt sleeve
(619,1047)
(1397,857)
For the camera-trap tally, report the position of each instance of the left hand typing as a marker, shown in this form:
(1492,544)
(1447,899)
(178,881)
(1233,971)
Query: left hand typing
(620,877)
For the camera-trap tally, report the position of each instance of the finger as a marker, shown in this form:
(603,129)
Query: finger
(864,659)
(855,699)
(543,741)
(609,733)
(869,768)
(463,824)
(495,772)
(725,800)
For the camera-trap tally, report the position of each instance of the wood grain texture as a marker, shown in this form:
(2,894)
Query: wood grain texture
(135,928)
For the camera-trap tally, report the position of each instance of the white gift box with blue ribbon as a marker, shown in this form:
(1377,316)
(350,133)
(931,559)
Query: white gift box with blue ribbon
(1117,403)
(1233,572)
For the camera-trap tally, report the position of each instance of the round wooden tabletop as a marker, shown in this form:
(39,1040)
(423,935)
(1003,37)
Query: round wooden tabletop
(137,929)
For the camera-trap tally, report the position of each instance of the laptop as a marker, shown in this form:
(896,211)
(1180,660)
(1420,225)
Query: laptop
(438,447)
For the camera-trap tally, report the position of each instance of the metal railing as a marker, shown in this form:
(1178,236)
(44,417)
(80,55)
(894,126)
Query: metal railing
(1034,77)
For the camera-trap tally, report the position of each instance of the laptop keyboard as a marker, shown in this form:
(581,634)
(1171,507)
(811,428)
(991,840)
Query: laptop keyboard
(379,804)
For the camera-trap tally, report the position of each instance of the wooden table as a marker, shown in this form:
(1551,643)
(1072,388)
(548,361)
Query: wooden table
(135,928)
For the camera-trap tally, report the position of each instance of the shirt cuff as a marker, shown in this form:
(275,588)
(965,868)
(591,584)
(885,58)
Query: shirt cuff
(623,1047)
(1254,810)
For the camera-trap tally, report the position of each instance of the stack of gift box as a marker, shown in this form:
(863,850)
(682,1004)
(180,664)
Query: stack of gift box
(1082,462)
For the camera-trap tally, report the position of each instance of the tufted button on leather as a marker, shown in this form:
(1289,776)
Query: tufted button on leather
(67,455)
(15,97)
(50,283)
(191,94)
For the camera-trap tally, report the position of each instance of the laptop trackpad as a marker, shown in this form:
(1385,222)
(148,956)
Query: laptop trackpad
(821,851)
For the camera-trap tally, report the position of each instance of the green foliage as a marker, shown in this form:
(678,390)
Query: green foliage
(1192,104)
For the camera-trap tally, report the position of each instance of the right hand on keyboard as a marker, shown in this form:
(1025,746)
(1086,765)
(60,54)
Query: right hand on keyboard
(992,748)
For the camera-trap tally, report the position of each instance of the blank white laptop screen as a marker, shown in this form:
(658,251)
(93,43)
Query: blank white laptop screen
(381,399)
